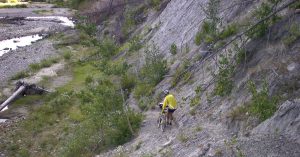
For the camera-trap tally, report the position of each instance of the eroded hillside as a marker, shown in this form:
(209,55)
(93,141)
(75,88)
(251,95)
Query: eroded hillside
(233,66)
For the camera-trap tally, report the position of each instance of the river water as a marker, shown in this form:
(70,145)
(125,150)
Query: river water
(14,43)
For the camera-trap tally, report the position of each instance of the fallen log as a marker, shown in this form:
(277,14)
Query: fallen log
(22,89)
(12,97)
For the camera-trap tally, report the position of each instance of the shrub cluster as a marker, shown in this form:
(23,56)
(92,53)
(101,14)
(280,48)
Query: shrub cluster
(224,83)
(260,13)
(150,75)
(262,105)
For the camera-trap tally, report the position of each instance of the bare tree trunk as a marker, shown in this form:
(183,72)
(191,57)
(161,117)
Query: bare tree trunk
(12,97)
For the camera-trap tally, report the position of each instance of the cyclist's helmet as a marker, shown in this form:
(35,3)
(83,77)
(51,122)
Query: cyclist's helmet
(166,92)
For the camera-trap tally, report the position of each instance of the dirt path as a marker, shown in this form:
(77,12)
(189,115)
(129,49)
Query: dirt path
(186,138)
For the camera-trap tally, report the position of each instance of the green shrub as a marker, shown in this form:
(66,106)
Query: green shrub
(240,54)
(155,3)
(117,67)
(260,13)
(88,28)
(173,49)
(195,101)
(295,5)
(107,48)
(155,68)
(198,38)
(129,23)
(67,55)
(224,80)
(135,44)
(104,122)
(262,105)
(207,33)
(128,82)
(228,31)
(198,89)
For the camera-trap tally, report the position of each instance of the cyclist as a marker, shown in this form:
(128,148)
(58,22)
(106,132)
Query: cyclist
(169,101)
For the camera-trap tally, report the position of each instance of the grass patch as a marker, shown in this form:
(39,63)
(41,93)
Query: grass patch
(43,64)
(43,11)
(80,73)
(20,75)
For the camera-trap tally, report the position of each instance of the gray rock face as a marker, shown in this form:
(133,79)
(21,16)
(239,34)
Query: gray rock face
(286,121)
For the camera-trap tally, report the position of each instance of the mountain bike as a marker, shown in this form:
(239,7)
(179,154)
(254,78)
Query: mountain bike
(162,120)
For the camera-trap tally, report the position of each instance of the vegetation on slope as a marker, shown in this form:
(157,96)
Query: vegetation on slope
(83,117)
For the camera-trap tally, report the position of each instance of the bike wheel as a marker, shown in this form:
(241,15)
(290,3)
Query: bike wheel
(163,124)
(158,123)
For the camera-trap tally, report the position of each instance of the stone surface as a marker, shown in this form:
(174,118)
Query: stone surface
(286,121)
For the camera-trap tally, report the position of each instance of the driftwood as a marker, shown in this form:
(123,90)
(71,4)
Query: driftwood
(22,89)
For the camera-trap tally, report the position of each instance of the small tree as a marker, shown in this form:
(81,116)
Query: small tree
(155,67)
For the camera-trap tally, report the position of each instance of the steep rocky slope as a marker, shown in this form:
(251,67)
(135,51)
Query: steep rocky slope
(234,67)
(222,125)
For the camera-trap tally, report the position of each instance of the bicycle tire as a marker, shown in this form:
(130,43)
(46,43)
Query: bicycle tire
(163,123)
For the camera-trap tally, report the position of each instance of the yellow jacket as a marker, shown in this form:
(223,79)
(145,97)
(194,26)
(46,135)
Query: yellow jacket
(170,101)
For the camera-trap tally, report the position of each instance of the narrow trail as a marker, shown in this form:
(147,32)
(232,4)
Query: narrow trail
(152,141)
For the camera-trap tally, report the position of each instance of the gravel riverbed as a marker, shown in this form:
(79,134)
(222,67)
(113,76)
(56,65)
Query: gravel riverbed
(16,25)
